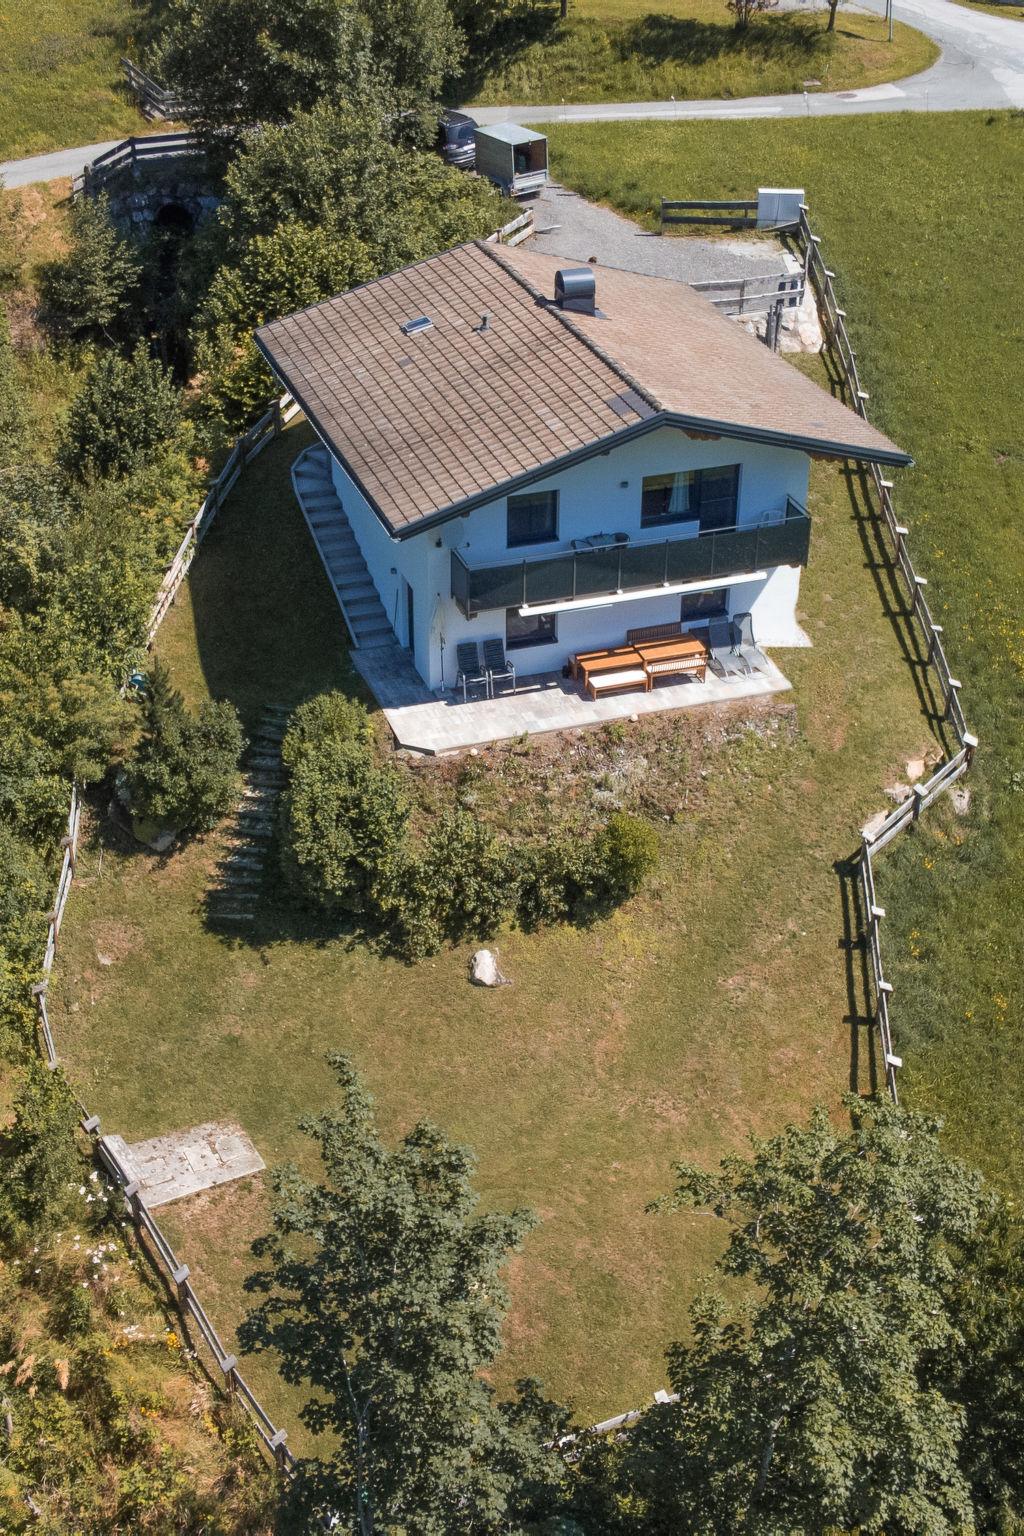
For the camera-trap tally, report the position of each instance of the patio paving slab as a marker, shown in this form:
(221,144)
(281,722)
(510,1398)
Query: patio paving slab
(443,723)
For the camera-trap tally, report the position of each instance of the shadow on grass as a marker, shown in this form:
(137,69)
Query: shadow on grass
(493,48)
(659,39)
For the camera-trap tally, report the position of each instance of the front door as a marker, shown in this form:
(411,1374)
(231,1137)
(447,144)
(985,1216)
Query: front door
(410,619)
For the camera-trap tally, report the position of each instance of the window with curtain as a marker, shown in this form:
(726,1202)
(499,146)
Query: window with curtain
(533,518)
(533,629)
(707,496)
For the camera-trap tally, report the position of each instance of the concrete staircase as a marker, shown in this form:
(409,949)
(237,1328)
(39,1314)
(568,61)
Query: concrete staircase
(346,569)
(239,878)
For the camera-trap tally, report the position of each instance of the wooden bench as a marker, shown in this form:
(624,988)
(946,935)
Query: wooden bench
(614,682)
(654,632)
(683,654)
(579,664)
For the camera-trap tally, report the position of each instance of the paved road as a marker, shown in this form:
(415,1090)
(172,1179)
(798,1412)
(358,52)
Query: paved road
(982,66)
(63,162)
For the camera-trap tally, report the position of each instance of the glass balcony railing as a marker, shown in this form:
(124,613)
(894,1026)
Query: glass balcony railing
(630,567)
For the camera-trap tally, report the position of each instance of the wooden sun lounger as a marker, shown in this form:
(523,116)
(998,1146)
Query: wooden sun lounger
(684,655)
(579,664)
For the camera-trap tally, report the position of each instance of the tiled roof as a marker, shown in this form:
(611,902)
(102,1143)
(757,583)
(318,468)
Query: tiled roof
(429,421)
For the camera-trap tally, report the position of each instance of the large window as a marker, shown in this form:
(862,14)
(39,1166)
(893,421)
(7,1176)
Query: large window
(698,607)
(707,496)
(534,629)
(533,518)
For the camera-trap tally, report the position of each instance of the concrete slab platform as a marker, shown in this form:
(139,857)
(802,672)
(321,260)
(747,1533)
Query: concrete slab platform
(185,1162)
(443,723)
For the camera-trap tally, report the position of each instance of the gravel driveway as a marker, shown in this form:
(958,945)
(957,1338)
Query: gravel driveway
(567,225)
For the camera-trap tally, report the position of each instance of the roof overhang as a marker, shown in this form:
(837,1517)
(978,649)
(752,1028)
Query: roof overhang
(812,446)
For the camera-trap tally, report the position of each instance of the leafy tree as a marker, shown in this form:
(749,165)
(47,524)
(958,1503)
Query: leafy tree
(38,1151)
(184,772)
(823,1403)
(382,1293)
(89,294)
(745,11)
(242,62)
(419,48)
(24,896)
(126,409)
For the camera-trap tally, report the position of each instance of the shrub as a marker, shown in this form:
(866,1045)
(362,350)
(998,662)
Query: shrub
(184,772)
(344,818)
(13,418)
(327,717)
(471,875)
(126,408)
(623,854)
(90,293)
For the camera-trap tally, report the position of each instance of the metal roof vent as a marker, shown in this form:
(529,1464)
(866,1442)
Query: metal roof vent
(576,290)
(415,327)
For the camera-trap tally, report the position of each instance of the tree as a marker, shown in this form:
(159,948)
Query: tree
(243,62)
(419,48)
(744,11)
(126,409)
(824,1402)
(382,1292)
(184,772)
(89,294)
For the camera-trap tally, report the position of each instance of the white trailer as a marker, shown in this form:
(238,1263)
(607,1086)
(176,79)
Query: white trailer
(514,158)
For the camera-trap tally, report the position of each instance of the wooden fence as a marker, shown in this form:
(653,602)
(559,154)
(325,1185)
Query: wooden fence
(515,232)
(126,156)
(753,295)
(734,215)
(155,1244)
(895,535)
(154,100)
(270,424)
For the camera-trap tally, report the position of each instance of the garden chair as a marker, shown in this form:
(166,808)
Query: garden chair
(470,670)
(497,667)
(721,659)
(751,657)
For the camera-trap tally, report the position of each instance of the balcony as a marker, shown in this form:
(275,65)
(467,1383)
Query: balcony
(634,566)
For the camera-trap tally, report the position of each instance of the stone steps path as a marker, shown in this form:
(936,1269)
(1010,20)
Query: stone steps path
(234,898)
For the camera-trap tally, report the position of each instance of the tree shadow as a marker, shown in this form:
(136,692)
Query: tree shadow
(660,39)
(496,41)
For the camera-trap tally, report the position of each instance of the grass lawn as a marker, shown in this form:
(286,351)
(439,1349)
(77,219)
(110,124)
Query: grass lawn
(60,81)
(922,225)
(716,1003)
(618,50)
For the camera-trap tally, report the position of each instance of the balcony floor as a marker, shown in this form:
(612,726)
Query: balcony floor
(424,722)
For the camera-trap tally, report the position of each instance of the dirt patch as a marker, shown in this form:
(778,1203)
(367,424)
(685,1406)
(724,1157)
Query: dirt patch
(114,941)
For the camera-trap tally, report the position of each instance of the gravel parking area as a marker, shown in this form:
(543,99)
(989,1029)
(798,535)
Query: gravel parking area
(568,225)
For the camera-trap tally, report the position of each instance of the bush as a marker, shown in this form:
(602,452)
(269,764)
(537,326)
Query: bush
(126,408)
(471,876)
(13,419)
(90,293)
(184,772)
(344,818)
(623,854)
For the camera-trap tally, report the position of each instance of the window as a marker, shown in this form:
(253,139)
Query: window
(533,518)
(534,629)
(698,607)
(707,496)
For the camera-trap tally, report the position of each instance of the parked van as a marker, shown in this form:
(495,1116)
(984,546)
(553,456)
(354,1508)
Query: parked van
(514,158)
(456,138)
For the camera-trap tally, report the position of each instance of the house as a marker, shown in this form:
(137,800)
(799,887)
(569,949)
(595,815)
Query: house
(555,456)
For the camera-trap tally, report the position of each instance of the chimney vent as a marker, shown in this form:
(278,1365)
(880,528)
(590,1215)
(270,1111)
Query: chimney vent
(576,290)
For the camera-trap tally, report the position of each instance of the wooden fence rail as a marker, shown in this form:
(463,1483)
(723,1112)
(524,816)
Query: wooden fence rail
(740,214)
(154,99)
(126,156)
(895,541)
(753,295)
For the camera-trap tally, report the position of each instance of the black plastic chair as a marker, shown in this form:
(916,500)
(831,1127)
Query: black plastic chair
(497,665)
(750,654)
(470,671)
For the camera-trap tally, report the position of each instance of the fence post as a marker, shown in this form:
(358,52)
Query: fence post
(229,1366)
(970,746)
(278,1447)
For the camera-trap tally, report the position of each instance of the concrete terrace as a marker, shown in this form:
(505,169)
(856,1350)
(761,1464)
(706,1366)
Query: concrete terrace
(439,723)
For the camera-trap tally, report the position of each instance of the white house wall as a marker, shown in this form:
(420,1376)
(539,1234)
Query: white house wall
(601,495)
